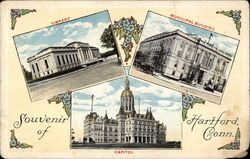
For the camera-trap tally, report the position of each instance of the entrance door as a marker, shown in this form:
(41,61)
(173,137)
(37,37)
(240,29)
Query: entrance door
(200,76)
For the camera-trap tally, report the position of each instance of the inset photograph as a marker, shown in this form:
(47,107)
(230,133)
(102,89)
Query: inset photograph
(184,57)
(127,113)
(69,56)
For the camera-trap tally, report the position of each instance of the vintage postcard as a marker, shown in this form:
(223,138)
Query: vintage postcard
(187,58)
(52,57)
(124,79)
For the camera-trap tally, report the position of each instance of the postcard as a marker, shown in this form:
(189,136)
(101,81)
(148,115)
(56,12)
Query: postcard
(124,79)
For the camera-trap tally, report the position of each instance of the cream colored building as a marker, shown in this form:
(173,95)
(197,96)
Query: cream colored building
(56,59)
(183,57)
(129,126)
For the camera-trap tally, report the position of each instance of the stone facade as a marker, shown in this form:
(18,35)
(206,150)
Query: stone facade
(129,126)
(184,57)
(56,59)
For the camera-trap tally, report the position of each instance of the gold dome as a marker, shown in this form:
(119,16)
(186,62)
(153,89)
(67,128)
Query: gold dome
(127,93)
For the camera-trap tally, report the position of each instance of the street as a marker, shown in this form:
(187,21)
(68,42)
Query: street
(172,84)
(75,80)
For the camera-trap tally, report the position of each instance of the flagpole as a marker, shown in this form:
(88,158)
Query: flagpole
(210,37)
(92,98)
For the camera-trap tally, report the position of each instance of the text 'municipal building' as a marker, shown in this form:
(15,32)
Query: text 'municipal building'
(185,57)
(56,59)
(128,127)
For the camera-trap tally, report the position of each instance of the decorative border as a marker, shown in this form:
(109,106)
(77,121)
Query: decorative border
(17,13)
(128,29)
(66,99)
(235,14)
(187,102)
(14,143)
(235,145)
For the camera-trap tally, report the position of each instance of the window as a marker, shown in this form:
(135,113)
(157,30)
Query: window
(179,53)
(46,64)
(204,60)
(58,59)
(37,67)
(176,63)
(223,67)
(210,63)
(77,58)
(63,60)
(67,58)
(197,58)
(173,73)
(33,68)
(70,59)
(181,76)
(188,52)
(183,67)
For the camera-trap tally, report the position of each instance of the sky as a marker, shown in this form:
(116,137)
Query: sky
(165,104)
(86,29)
(155,24)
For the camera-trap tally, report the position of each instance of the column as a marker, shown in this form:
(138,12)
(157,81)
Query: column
(132,139)
(90,53)
(154,138)
(53,60)
(83,58)
(32,68)
(214,63)
(38,67)
(79,52)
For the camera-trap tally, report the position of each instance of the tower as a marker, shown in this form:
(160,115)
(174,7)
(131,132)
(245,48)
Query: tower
(127,98)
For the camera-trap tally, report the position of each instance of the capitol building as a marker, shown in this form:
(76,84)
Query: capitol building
(128,127)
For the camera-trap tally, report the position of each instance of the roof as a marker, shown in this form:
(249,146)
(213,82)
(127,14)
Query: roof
(52,47)
(75,42)
(192,37)
(127,93)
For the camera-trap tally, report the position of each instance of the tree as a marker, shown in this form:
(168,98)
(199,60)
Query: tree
(27,74)
(108,40)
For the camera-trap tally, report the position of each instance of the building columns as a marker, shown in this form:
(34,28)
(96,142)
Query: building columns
(132,139)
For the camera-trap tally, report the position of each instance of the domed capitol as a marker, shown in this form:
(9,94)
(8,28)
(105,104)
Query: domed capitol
(128,127)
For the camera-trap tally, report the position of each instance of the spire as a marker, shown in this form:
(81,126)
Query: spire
(139,105)
(106,116)
(121,111)
(127,84)
(92,98)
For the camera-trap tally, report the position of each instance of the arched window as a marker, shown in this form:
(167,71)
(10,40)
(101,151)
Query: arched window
(188,52)
(204,60)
